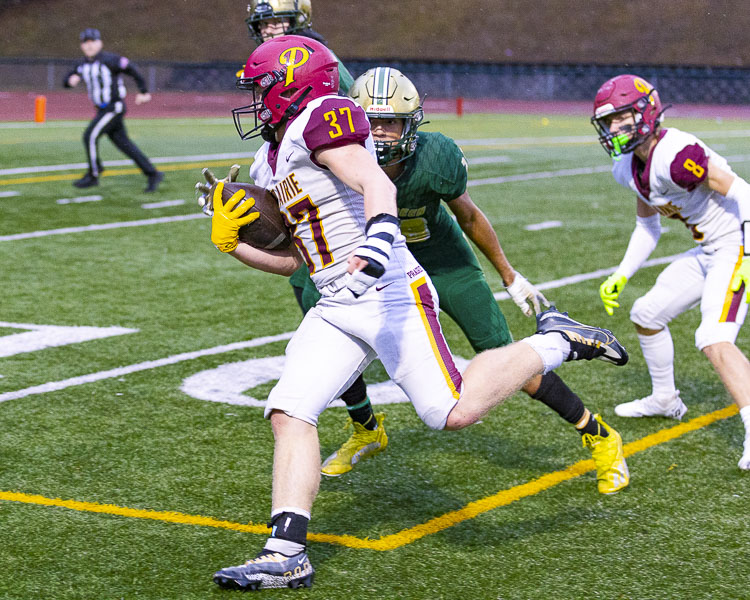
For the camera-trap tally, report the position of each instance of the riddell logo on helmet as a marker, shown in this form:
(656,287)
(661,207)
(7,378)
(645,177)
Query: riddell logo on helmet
(289,58)
(380,109)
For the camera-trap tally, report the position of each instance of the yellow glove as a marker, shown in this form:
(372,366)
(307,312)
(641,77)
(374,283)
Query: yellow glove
(610,289)
(742,275)
(203,190)
(228,217)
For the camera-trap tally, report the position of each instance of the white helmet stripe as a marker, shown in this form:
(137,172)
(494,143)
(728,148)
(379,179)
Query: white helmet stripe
(381,82)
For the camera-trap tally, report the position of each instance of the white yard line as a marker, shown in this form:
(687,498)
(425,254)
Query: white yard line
(53,386)
(164,204)
(471,183)
(580,139)
(543,225)
(557,283)
(539,175)
(65,230)
(566,173)
(79,199)
(126,162)
(171,360)
(83,123)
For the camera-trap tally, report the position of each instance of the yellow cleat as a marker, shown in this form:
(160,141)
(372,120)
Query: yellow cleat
(362,444)
(611,469)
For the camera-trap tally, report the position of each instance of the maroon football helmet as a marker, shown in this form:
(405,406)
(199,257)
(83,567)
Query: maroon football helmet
(623,93)
(284,74)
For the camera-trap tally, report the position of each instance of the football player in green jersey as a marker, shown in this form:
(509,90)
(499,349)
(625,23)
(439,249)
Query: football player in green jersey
(268,19)
(430,173)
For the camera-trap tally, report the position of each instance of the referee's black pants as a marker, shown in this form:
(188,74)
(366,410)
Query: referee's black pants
(110,121)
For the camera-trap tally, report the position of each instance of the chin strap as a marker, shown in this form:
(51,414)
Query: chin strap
(268,133)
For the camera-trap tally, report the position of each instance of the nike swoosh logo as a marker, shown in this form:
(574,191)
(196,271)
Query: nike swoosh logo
(301,560)
(382,287)
(290,156)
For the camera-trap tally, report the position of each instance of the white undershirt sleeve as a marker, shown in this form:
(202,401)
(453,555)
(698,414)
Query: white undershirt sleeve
(739,191)
(642,243)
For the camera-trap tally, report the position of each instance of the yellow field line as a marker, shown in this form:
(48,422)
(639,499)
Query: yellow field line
(113,173)
(407,536)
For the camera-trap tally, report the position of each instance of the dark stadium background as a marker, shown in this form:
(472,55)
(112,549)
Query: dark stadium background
(553,50)
(695,32)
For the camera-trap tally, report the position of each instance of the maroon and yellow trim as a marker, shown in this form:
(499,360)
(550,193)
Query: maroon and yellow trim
(426,306)
(733,300)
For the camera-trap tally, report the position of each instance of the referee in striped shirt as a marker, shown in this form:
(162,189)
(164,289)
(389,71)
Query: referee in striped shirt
(102,72)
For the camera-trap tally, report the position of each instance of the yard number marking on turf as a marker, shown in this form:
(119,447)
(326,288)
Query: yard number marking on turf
(38,337)
(406,536)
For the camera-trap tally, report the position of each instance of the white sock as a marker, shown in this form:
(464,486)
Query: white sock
(658,351)
(291,509)
(552,348)
(285,547)
(745,414)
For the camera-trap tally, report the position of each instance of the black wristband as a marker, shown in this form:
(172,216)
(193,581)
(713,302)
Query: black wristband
(381,218)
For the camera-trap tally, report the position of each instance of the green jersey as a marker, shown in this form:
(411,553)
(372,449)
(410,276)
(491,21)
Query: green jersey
(436,172)
(345,78)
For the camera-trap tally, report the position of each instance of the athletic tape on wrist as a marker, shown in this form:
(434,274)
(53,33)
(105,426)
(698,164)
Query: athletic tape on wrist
(381,232)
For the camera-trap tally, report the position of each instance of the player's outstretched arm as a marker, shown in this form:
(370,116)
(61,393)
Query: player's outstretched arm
(643,240)
(478,229)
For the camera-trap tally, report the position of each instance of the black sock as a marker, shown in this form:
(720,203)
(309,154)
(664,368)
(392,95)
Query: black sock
(559,397)
(289,526)
(358,404)
(288,534)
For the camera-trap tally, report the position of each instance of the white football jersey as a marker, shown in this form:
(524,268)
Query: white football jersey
(326,217)
(672,182)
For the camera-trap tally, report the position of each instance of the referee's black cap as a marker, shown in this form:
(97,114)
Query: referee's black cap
(90,34)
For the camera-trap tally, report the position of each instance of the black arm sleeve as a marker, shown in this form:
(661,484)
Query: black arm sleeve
(132,70)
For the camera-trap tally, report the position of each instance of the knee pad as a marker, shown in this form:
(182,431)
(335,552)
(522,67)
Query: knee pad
(647,315)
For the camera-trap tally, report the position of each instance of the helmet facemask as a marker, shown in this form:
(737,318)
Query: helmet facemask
(261,86)
(284,75)
(391,152)
(626,139)
(386,93)
(631,95)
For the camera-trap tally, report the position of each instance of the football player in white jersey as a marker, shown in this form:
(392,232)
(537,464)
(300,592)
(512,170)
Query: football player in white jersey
(674,174)
(377,301)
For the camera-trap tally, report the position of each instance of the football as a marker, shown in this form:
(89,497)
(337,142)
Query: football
(268,232)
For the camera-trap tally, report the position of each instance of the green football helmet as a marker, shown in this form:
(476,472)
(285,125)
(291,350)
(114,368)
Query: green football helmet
(386,93)
(298,12)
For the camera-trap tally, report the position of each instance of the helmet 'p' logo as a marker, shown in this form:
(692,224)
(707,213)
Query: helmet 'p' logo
(641,85)
(292,58)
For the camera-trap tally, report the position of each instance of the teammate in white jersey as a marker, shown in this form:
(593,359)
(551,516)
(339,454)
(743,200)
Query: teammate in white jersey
(676,175)
(377,301)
